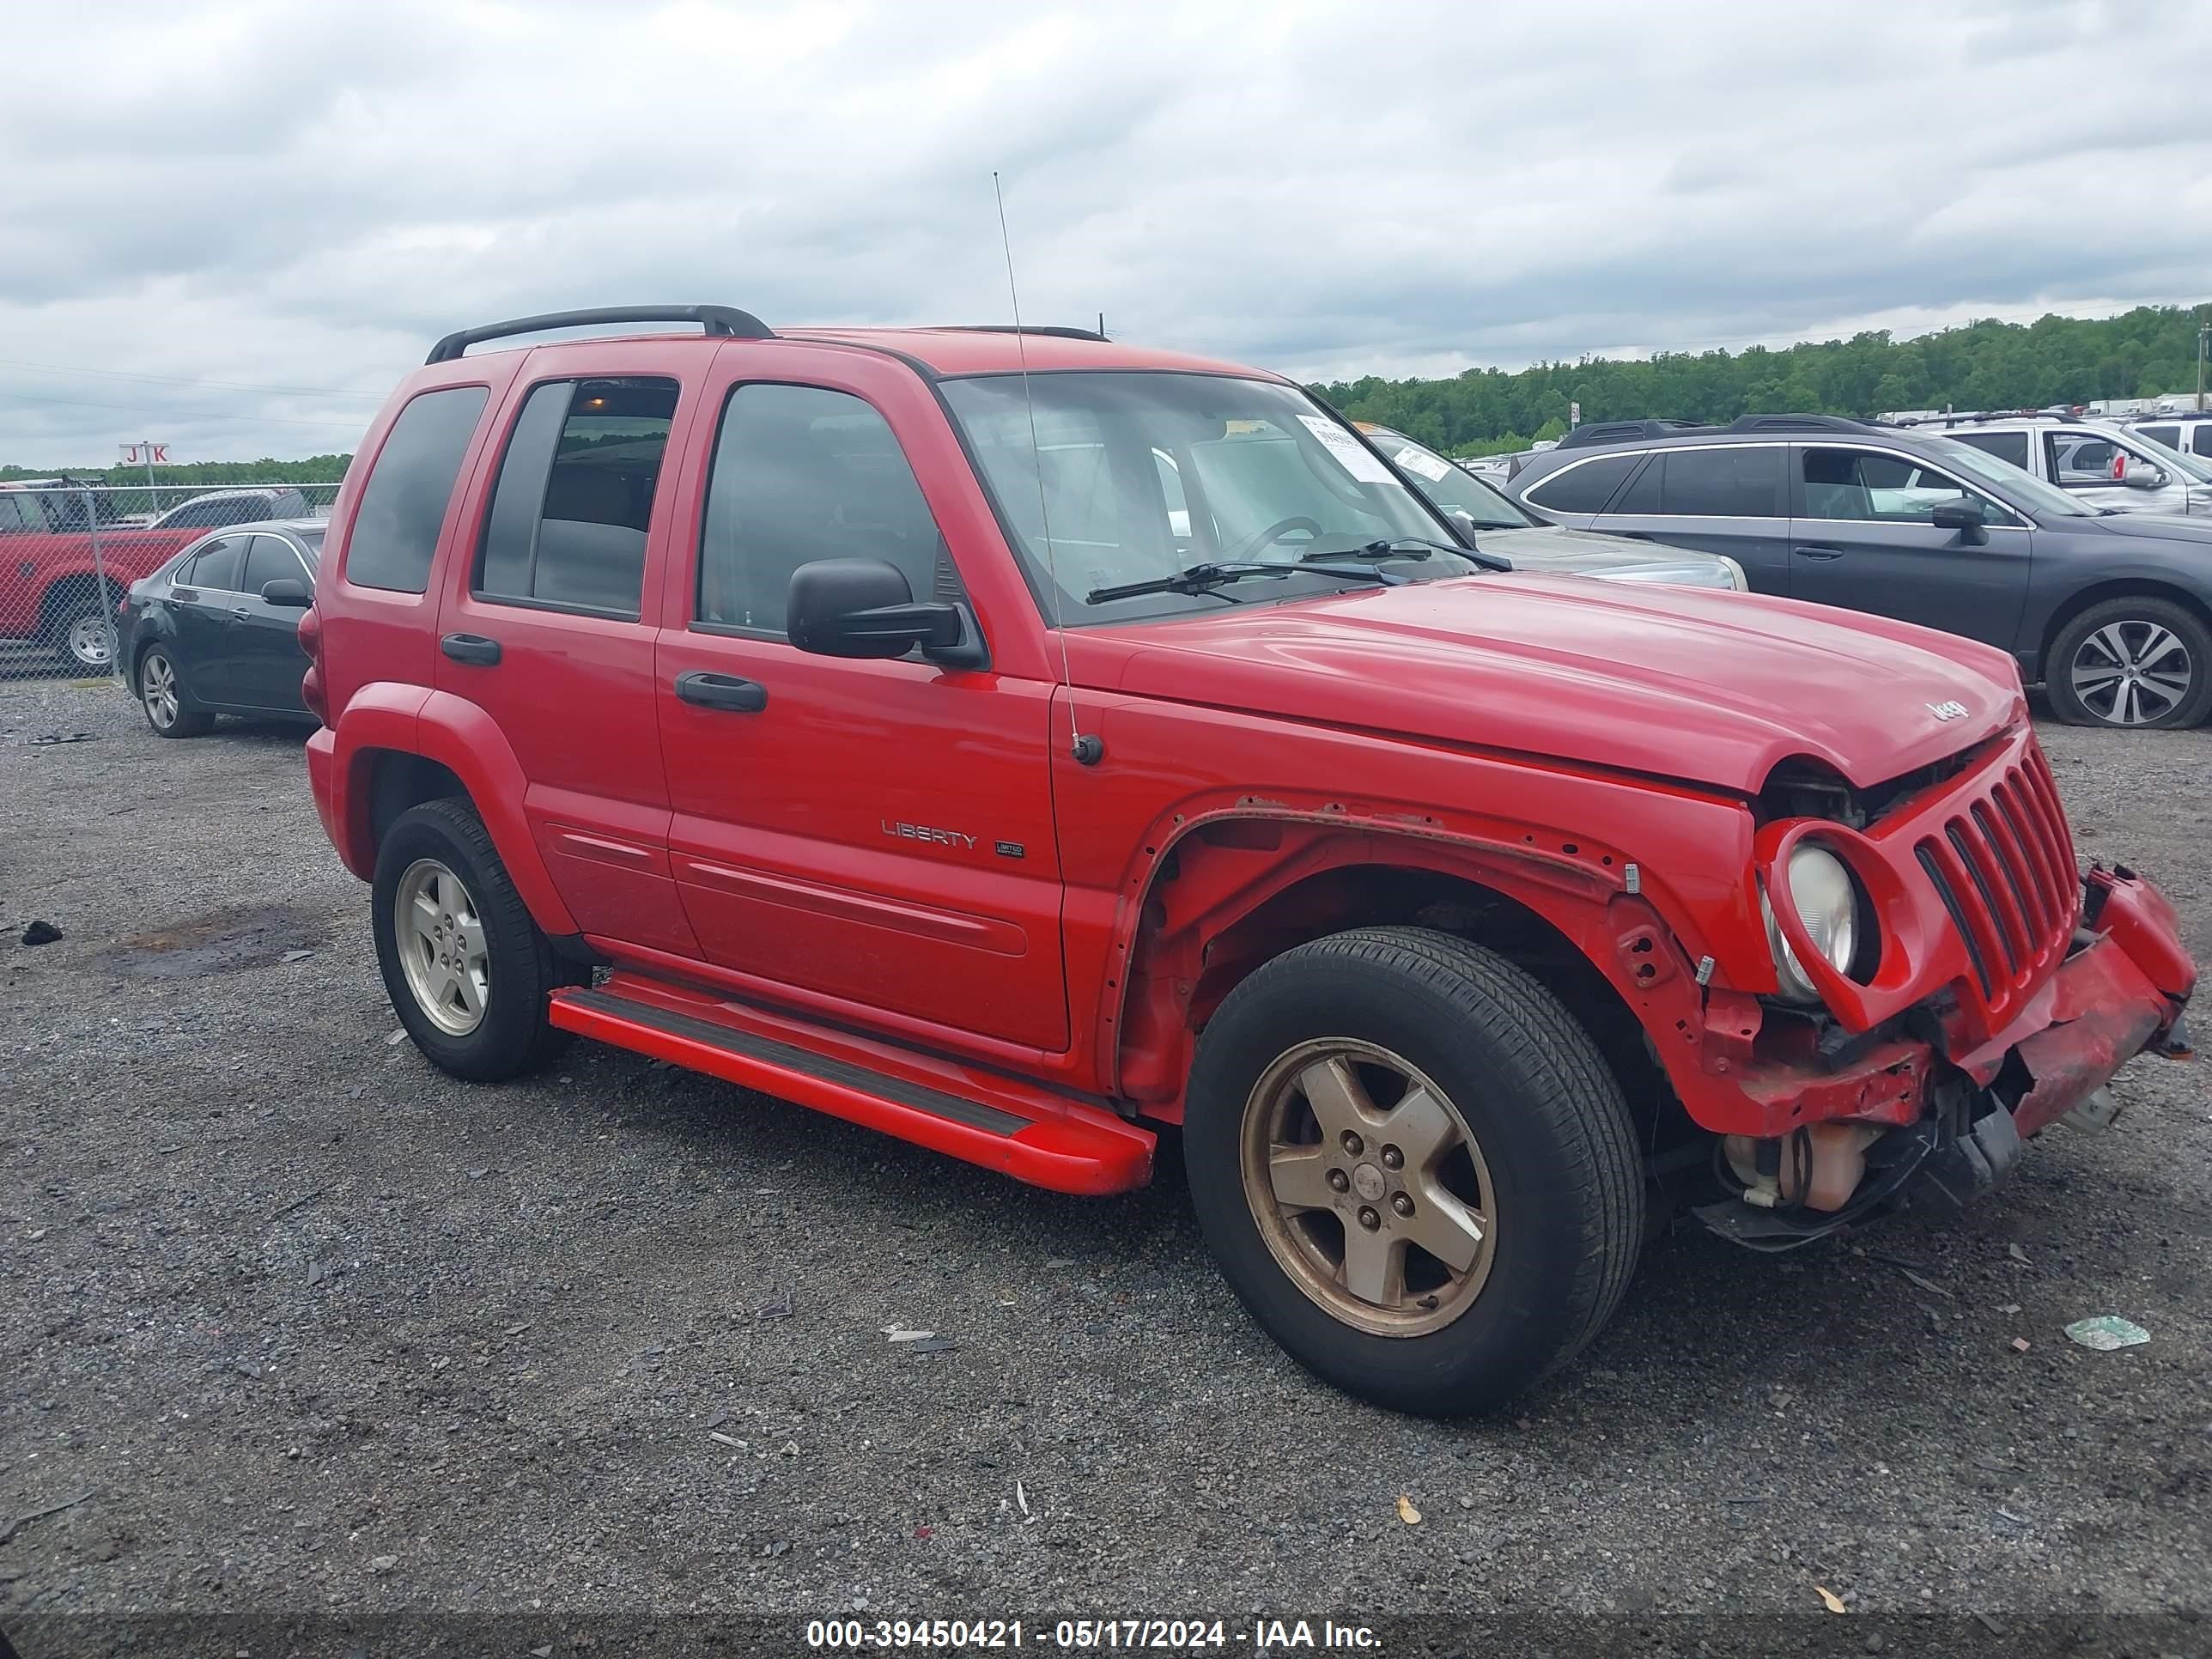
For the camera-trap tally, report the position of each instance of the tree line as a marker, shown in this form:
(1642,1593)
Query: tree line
(206,475)
(2143,353)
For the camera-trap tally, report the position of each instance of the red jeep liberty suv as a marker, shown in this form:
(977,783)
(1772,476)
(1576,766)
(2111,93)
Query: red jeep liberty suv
(1017,741)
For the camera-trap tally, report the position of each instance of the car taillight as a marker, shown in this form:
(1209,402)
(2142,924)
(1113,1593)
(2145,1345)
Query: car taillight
(2119,466)
(311,683)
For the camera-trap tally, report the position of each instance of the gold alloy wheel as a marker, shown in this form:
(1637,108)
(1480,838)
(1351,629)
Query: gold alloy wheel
(1367,1186)
(442,949)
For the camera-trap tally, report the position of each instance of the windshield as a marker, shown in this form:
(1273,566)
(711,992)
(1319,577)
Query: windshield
(311,540)
(1141,475)
(2011,485)
(1450,487)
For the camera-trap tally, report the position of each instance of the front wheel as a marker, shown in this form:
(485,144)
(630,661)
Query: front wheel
(466,968)
(2137,663)
(1414,1168)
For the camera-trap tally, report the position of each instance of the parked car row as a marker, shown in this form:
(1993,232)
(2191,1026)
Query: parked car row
(2111,610)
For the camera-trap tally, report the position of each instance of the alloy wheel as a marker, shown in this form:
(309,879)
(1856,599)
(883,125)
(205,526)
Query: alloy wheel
(442,946)
(1368,1187)
(2132,671)
(157,689)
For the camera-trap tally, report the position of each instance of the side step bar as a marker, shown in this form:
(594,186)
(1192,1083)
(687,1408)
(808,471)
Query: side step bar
(1015,1128)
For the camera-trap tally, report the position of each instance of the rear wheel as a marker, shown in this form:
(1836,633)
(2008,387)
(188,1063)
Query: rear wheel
(2127,662)
(1413,1167)
(169,708)
(466,968)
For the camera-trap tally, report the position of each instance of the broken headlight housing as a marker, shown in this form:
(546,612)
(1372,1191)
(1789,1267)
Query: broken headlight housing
(1821,889)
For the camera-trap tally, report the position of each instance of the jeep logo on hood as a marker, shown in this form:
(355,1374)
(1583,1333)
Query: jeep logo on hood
(1948,711)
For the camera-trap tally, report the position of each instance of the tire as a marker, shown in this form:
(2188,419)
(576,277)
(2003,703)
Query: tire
(1556,1172)
(509,1033)
(168,706)
(82,631)
(2134,639)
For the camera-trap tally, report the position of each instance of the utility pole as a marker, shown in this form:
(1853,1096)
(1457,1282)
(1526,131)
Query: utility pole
(2203,334)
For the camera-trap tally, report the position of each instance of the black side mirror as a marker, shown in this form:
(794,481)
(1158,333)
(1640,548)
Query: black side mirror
(864,608)
(1962,515)
(289,592)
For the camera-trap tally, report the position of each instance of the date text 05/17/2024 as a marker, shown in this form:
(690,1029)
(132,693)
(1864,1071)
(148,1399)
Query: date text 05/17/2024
(1263,1637)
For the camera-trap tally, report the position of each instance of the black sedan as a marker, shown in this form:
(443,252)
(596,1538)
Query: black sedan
(215,630)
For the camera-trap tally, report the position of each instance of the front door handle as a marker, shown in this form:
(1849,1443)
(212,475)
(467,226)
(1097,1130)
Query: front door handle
(722,691)
(1816,552)
(241,613)
(471,647)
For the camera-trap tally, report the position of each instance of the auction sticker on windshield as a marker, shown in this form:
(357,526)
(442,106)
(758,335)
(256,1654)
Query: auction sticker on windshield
(1420,461)
(1362,462)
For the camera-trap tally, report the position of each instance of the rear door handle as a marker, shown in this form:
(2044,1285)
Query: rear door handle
(241,613)
(471,647)
(722,691)
(1818,552)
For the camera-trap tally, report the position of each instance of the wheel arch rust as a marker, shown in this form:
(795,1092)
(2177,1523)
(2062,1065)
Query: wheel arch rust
(1221,891)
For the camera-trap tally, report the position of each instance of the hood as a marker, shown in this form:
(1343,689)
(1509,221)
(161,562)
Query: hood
(1616,558)
(1709,688)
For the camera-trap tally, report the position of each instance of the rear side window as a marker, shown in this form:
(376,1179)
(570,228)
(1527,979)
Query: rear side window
(803,473)
(1582,489)
(1744,483)
(2168,435)
(395,531)
(217,566)
(568,520)
(2005,446)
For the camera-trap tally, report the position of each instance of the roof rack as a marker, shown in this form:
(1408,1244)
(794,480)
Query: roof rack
(1980,417)
(725,322)
(1621,432)
(1053,329)
(1796,423)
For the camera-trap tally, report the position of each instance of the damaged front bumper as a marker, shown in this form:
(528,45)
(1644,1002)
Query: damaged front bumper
(1917,1113)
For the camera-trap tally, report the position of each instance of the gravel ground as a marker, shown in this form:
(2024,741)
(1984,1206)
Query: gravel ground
(317,1328)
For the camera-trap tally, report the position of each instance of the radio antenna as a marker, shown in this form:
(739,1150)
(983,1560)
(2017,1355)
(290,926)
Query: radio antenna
(1087,751)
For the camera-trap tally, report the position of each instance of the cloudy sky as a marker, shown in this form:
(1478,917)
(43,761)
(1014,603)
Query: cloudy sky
(231,225)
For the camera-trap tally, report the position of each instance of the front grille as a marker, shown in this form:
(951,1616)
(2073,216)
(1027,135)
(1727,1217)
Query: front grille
(2003,864)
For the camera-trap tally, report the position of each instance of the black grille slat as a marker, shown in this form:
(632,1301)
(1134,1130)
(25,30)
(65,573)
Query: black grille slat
(2018,875)
(1942,883)
(2012,947)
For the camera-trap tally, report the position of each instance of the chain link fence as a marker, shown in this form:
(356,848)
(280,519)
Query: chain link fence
(70,551)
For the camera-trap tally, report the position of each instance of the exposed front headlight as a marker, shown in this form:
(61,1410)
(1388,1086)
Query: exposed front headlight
(1826,901)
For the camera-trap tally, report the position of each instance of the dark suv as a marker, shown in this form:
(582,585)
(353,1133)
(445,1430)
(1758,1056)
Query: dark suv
(2112,612)
(1016,743)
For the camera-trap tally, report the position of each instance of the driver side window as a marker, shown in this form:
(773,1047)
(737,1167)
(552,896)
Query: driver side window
(1866,486)
(803,473)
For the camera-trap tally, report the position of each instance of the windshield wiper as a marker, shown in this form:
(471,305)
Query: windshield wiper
(1205,578)
(1415,548)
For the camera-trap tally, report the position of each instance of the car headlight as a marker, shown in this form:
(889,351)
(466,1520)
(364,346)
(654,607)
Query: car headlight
(1826,901)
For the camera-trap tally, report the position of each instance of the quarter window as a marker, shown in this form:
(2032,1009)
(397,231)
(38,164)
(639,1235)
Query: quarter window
(395,529)
(1585,488)
(570,515)
(1861,485)
(803,473)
